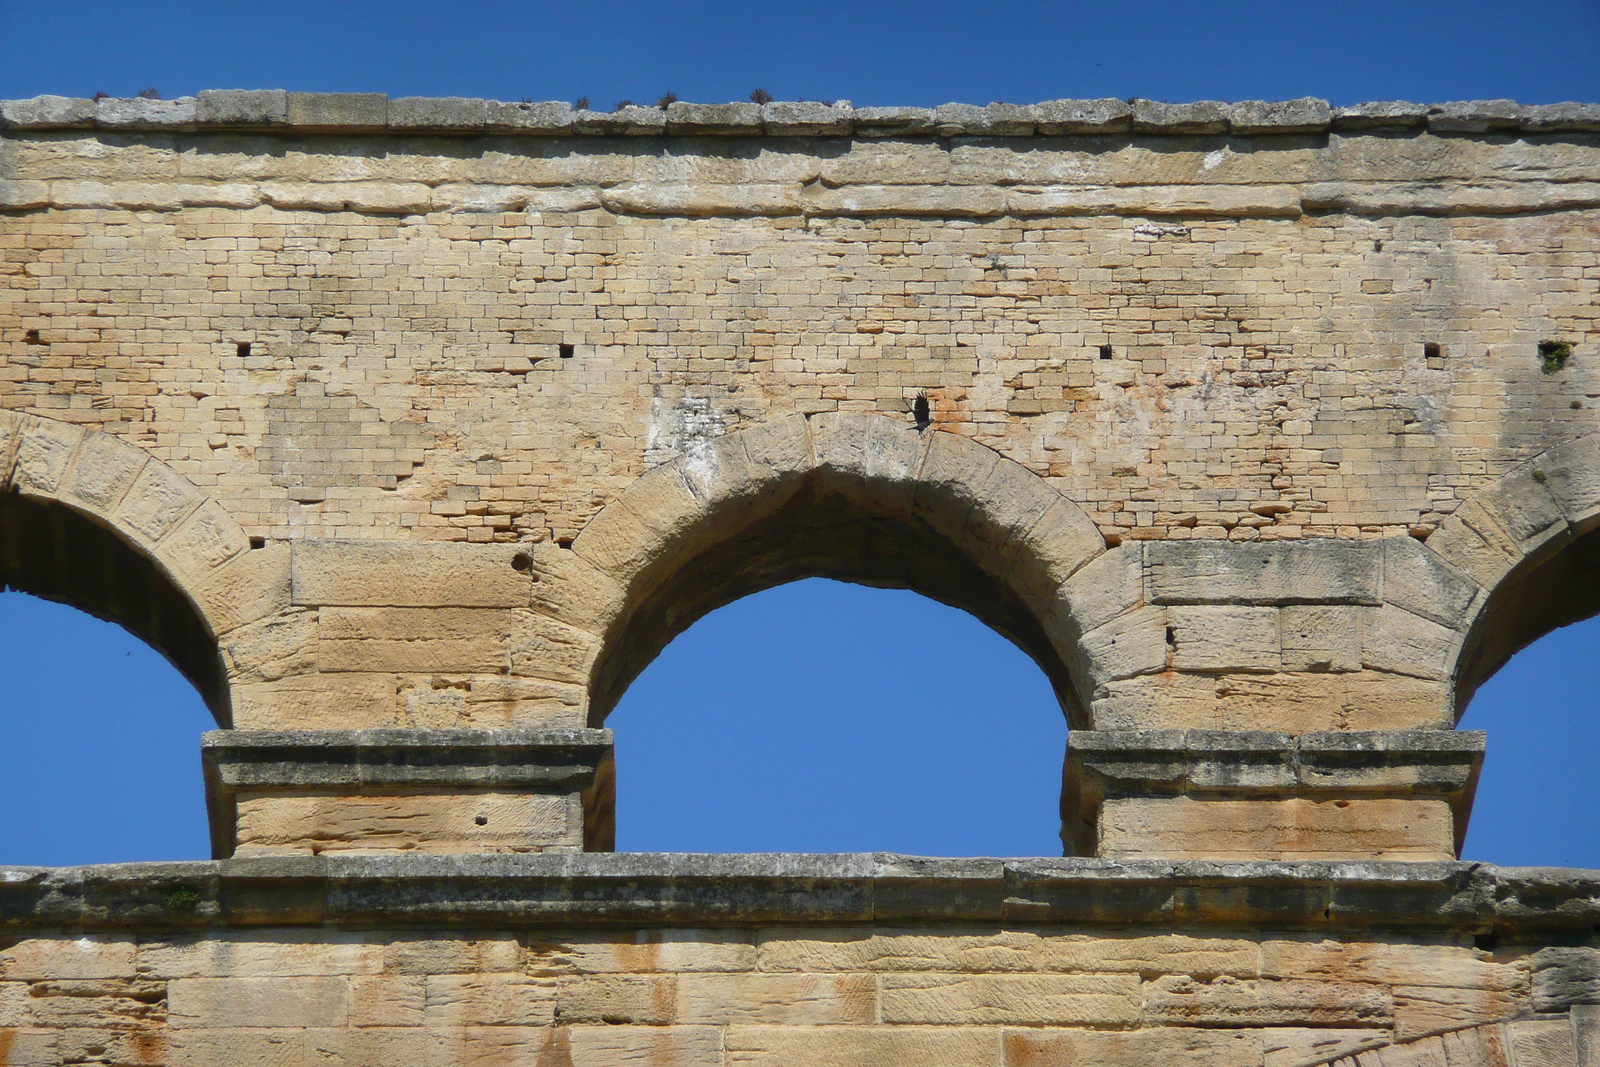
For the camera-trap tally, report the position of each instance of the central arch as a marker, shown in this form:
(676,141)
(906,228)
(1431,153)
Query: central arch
(856,497)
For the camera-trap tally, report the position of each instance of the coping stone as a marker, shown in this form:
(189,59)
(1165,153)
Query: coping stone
(635,120)
(246,108)
(1568,116)
(547,117)
(1474,116)
(806,118)
(1057,117)
(438,114)
(139,114)
(1202,116)
(47,113)
(338,111)
(1380,114)
(892,121)
(713,118)
(1306,115)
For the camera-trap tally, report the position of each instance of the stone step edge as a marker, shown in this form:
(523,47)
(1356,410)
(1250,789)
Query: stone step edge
(753,889)
(282,111)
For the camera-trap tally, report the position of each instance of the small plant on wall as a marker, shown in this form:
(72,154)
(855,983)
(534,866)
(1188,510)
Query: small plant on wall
(1553,356)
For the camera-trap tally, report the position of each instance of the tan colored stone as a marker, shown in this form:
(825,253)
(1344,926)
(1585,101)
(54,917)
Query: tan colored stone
(1278,828)
(489,1000)
(898,950)
(1151,953)
(436,822)
(409,575)
(1208,638)
(1183,1001)
(806,1000)
(642,951)
(279,954)
(315,701)
(1430,1009)
(1042,1000)
(541,647)
(388,1000)
(1389,963)
(248,588)
(61,957)
(256,1002)
(860,1046)
(412,639)
(1173,1047)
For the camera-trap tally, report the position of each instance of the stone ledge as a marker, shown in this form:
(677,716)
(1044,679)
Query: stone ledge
(279,111)
(748,889)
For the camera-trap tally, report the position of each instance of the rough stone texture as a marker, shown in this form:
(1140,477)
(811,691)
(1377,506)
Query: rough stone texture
(445,415)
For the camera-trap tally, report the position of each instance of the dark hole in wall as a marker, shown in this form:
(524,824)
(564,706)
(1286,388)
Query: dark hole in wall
(1105,351)
(566,351)
(242,348)
(55,553)
(32,337)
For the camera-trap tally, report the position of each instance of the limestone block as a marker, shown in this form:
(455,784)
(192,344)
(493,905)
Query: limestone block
(24,195)
(1563,976)
(1203,116)
(156,502)
(412,639)
(912,200)
(540,647)
(1012,502)
(1167,1046)
(488,701)
(569,588)
(344,112)
(43,454)
(388,1000)
(203,541)
(437,822)
(869,459)
(1429,1009)
(1301,703)
(636,120)
(1056,117)
(704,200)
(52,957)
(1129,645)
(1572,478)
(786,999)
(39,1048)
(805,118)
(95,1004)
(279,646)
(47,113)
(248,588)
(279,954)
(1416,579)
(429,954)
(642,951)
(101,473)
(1065,539)
(250,108)
(968,120)
(1474,116)
(303,196)
(713,118)
(1196,201)
(387,198)
(1403,643)
(1252,118)
(1543,1041)
(307,701)
(899,950)
(438,114)
(892,121)
(1151,953)
(1390,114)
(1293,1046)
(13,1004)
(488,1000)
(1524,508)
(885,163)
(410,574)
(1387,962)
(1179,1000)
(1206,638)
(479,198)
(1323,637)
(1106,586)
(302,1001)
(1282,572)
(1472,542)
(137,114)
(954,471)
(1282,829)
(1039,1000)
(858,1046)
(548,117)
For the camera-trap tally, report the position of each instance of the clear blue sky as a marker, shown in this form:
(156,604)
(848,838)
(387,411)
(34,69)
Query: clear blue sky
(815,716)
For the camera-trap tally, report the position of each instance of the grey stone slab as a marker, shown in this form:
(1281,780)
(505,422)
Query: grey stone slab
(244,108)
(1561,118)
(1564,976)
(345,112)
(1058,117)
(892,121)
(634,120)
(438,114)
(1251,118)
(547,117)
(1418,581)
(137,114)
(1474,116)
(1203,116)
(995,120)
(1283,572)
(1380,114)
(714,118)
(806,118)
(47,113)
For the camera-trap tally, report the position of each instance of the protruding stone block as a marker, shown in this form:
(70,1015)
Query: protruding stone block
(341,112)
(47,113)
(245,108)
(438,114)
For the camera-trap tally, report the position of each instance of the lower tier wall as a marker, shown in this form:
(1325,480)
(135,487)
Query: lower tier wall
(276,962)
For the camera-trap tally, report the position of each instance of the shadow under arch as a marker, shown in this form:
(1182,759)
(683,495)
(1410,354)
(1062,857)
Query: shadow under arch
(1531,542)
(89,521)
(855,497)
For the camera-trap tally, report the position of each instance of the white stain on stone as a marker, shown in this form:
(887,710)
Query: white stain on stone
(685,428)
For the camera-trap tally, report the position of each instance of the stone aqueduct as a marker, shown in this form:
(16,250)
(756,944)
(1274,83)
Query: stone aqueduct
(410,431)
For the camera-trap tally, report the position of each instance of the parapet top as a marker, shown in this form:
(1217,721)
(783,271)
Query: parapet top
(279,111)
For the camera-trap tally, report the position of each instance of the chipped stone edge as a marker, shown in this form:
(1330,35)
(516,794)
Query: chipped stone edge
(749,889)
(281,112)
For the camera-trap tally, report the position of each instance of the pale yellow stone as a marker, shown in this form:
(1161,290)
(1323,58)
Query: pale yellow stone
(431,822)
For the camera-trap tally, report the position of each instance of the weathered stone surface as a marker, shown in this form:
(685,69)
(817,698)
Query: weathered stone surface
(409,574)
(337,111)
(1051,1000)
(431,822)
(438,114)
(47,112)
(249,108)
(1253,118)
(1286,829)
(114,114)
(1208,572)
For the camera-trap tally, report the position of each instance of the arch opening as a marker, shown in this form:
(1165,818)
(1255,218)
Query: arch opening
(843,718)
(57,553)
(821,531)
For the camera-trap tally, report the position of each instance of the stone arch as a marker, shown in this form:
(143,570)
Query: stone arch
(91,521)
(1530,541)
(860,497)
